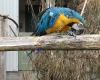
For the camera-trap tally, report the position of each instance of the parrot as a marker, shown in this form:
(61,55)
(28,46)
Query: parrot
(59,19)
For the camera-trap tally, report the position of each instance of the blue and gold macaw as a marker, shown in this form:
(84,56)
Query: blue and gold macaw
(59,19)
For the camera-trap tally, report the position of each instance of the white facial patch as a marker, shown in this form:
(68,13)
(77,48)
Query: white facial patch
(77,26)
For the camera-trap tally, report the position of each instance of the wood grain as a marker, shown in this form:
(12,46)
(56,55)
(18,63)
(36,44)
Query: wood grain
(50,42)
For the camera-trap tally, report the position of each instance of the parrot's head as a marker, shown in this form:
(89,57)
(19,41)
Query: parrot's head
(76,27)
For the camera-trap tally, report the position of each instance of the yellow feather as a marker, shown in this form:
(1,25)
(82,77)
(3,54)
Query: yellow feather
(60,24)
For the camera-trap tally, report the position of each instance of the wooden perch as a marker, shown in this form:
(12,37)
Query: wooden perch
(49,42)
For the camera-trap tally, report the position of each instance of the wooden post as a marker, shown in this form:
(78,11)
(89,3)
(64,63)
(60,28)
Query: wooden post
(2,55)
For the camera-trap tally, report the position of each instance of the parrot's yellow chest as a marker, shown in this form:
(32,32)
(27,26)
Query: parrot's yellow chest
(60,24)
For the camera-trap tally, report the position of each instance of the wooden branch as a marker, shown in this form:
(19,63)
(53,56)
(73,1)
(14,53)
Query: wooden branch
(50,42)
